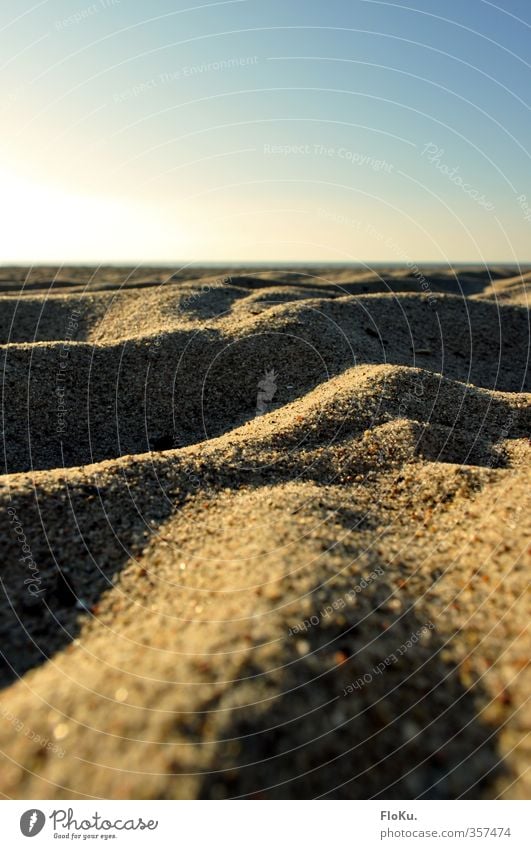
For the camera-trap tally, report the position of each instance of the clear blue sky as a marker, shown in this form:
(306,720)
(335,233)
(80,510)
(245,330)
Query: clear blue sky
(268,131)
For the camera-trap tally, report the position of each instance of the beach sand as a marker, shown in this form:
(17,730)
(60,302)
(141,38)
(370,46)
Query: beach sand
(266,533)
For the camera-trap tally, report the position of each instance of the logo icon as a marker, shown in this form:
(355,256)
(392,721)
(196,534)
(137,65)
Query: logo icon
(266,390)
(32,822)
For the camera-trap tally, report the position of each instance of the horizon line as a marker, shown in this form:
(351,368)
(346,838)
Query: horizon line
(259,263)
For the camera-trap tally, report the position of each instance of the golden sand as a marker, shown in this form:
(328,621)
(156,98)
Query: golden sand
(266,533)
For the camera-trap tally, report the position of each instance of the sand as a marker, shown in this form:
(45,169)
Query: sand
(266,533)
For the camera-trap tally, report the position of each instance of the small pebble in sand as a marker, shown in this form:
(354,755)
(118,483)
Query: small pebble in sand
(60,731)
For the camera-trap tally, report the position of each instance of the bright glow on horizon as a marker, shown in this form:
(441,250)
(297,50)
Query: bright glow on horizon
(86,228)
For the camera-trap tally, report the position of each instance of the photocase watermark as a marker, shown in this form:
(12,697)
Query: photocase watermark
(185,72)
(358,224)
(21,726)
(60,383)
(411,395)
(32,822)
(506,428)
(412,266)
(434,154)
(65,820)
(186,302)
(34,582)
(390,660)
(368,229)
(194,481)
(83,14)
(352,156)
(339,604)
(525,206)
(507,425)
(65,825)
(267,388)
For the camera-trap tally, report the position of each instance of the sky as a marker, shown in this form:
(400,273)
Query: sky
(251,131)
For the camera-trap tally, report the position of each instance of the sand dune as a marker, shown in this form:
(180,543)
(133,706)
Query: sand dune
(244,492)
